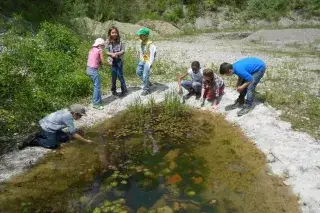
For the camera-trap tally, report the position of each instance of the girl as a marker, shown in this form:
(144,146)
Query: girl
(95,58)
(115,52)
(212,88)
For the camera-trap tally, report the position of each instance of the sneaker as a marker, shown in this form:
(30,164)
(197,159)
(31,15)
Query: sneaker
(198,96)
(233,106)
(245,109)
(145,92)
(115,93)
(98,106)
(187,96)
(123,93)
(30,140)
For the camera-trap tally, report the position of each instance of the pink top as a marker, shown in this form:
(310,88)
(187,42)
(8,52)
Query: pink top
(94,58)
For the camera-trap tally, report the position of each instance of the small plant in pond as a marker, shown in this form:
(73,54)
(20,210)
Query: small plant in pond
(172,104)
(116,206)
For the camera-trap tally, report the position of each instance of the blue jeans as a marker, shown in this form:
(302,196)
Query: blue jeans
(94,75)
(117,72)
(52,140)
(142,72)
(249,91)
(195,85)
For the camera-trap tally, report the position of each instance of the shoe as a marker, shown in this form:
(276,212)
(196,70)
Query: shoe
(187,96)
(198,96)
(98,106)
(30,140)
(145,92)
(115,93)
(233,106)
(123,93)
(150,83)
(245,109)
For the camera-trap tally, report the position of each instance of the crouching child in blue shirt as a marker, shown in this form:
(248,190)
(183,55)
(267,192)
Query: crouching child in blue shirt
(52,134)
(249,72)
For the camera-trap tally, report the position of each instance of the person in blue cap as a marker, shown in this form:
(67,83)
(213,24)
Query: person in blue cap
(249,71)
(147,53)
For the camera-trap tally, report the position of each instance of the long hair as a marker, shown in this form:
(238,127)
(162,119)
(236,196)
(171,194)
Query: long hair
(117,41)
(211,82)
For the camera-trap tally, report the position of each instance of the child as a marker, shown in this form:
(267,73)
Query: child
(147,53)
(249,71)
(116,51)
(51,135)
(193,86)
(212,89)
(95,58)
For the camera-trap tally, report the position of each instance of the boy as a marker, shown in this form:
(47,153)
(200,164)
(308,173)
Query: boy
(249,71)
(194,86)
(147,53)
(51,135)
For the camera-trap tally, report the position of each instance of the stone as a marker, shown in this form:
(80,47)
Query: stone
(161,27)
(286,22)
(204,22)
(176,206)
(172,165)
(165,209)
(142,210)
(171,155)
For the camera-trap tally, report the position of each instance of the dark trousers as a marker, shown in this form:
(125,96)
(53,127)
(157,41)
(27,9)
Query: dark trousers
(117,72)
(50,140)
(249,91)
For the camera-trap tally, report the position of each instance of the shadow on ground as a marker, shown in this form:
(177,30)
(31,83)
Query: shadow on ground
(156,87)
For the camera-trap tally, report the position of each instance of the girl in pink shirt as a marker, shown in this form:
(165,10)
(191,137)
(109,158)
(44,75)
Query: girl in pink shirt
(95,58)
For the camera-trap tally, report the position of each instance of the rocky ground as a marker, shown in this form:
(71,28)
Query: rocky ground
(291,154)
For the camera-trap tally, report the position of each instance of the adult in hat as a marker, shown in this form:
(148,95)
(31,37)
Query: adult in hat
(52,125)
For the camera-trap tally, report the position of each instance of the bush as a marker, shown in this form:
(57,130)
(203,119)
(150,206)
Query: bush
(39,74)
(268,9)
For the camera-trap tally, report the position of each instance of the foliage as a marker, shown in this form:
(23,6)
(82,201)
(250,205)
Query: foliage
(39,74)
(133,11)
(268,9)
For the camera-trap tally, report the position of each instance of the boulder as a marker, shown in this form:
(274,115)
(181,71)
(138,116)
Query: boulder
(161,27)
(100,29)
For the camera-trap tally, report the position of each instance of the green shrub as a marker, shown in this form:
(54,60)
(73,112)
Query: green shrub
(174,14)
(268,9)
(39,74)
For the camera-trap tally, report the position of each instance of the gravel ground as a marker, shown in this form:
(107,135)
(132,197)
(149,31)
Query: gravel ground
(292,154)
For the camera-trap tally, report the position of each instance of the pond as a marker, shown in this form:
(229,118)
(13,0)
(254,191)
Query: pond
(153,158)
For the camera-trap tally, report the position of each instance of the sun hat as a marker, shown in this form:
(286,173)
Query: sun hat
(143,31)
(98,41)
(77,108)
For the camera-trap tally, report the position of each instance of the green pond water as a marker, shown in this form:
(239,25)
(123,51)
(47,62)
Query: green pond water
(155,158)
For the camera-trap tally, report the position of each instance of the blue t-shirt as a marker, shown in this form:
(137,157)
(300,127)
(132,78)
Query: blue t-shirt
(58,121)
(246,67)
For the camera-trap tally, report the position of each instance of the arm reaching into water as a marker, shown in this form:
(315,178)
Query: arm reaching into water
(78,137)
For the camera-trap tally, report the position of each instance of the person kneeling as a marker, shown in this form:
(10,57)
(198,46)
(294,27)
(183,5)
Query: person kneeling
(52,135)
(193,86)
(212,89)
